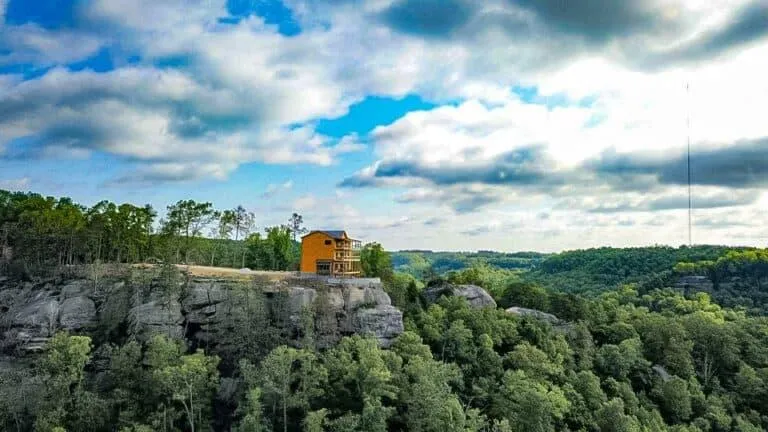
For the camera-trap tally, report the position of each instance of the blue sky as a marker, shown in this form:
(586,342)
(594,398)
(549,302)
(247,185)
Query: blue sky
(460,125)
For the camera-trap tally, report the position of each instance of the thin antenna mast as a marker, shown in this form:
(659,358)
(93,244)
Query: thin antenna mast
(688,132)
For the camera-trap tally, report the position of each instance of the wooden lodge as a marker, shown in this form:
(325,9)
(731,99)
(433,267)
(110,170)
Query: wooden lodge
(330,253)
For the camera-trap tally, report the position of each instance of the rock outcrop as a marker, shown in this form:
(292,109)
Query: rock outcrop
(353,305)
(155,317)
(475,295)
(535,313)
(384,322)
(76,313)
(662,373)
(32,312)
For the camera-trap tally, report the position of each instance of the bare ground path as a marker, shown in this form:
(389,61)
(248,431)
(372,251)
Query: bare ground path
(206,271)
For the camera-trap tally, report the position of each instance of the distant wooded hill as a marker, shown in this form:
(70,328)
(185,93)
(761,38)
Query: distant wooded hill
(417,262)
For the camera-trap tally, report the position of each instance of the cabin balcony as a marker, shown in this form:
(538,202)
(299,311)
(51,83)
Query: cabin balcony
(346,255)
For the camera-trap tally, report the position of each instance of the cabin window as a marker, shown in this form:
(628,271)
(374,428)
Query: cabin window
(323,267)
(328,242)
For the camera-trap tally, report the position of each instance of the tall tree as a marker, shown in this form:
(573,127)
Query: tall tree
(192,382)
(243,222)
(187,218)
(375,261)
(223,231)
(296,224)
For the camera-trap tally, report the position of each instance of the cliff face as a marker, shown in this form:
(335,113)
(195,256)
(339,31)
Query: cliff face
(340,307)
(198,310)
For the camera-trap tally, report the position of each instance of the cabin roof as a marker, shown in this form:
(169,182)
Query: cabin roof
(336,234)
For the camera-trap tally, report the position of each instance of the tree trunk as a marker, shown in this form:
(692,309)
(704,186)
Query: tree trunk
(191,411)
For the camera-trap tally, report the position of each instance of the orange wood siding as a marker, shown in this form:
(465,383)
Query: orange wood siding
(313,248)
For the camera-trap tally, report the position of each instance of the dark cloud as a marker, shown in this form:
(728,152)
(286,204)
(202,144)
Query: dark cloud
(720,223)
(632,28)
(739,166)
(360,181)
(475,232)
(592,20)
(595,20)
(428,18)
(153,174)
(435,221)
(470,203)
(710,202)
(524,166)
(746,26)
(461,198)
(150,177)
(677,202)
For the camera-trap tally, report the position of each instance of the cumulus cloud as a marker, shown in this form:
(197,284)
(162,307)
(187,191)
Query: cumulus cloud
(743,164)
(30,43)
(473,155)
(674,201)
(743,27)
(631,32)
(460,198)
(15,184)
(432,18)
(160,116)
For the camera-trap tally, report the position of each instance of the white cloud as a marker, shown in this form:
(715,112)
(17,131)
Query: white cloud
(274,189)
(18,184)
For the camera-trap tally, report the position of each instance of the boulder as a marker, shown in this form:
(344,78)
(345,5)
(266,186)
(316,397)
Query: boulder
(355,282)
(332,298)
(662,373)
(384,322)
(76,313)
(377,296)
(42,314)
(354,298)
(201,294)
(76,289)
(300,298)
(534,313)
(34,344)
(475,295)
(25,341)
(157,317)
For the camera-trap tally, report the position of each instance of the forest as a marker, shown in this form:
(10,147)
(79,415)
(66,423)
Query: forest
(46,232)
(644,339)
